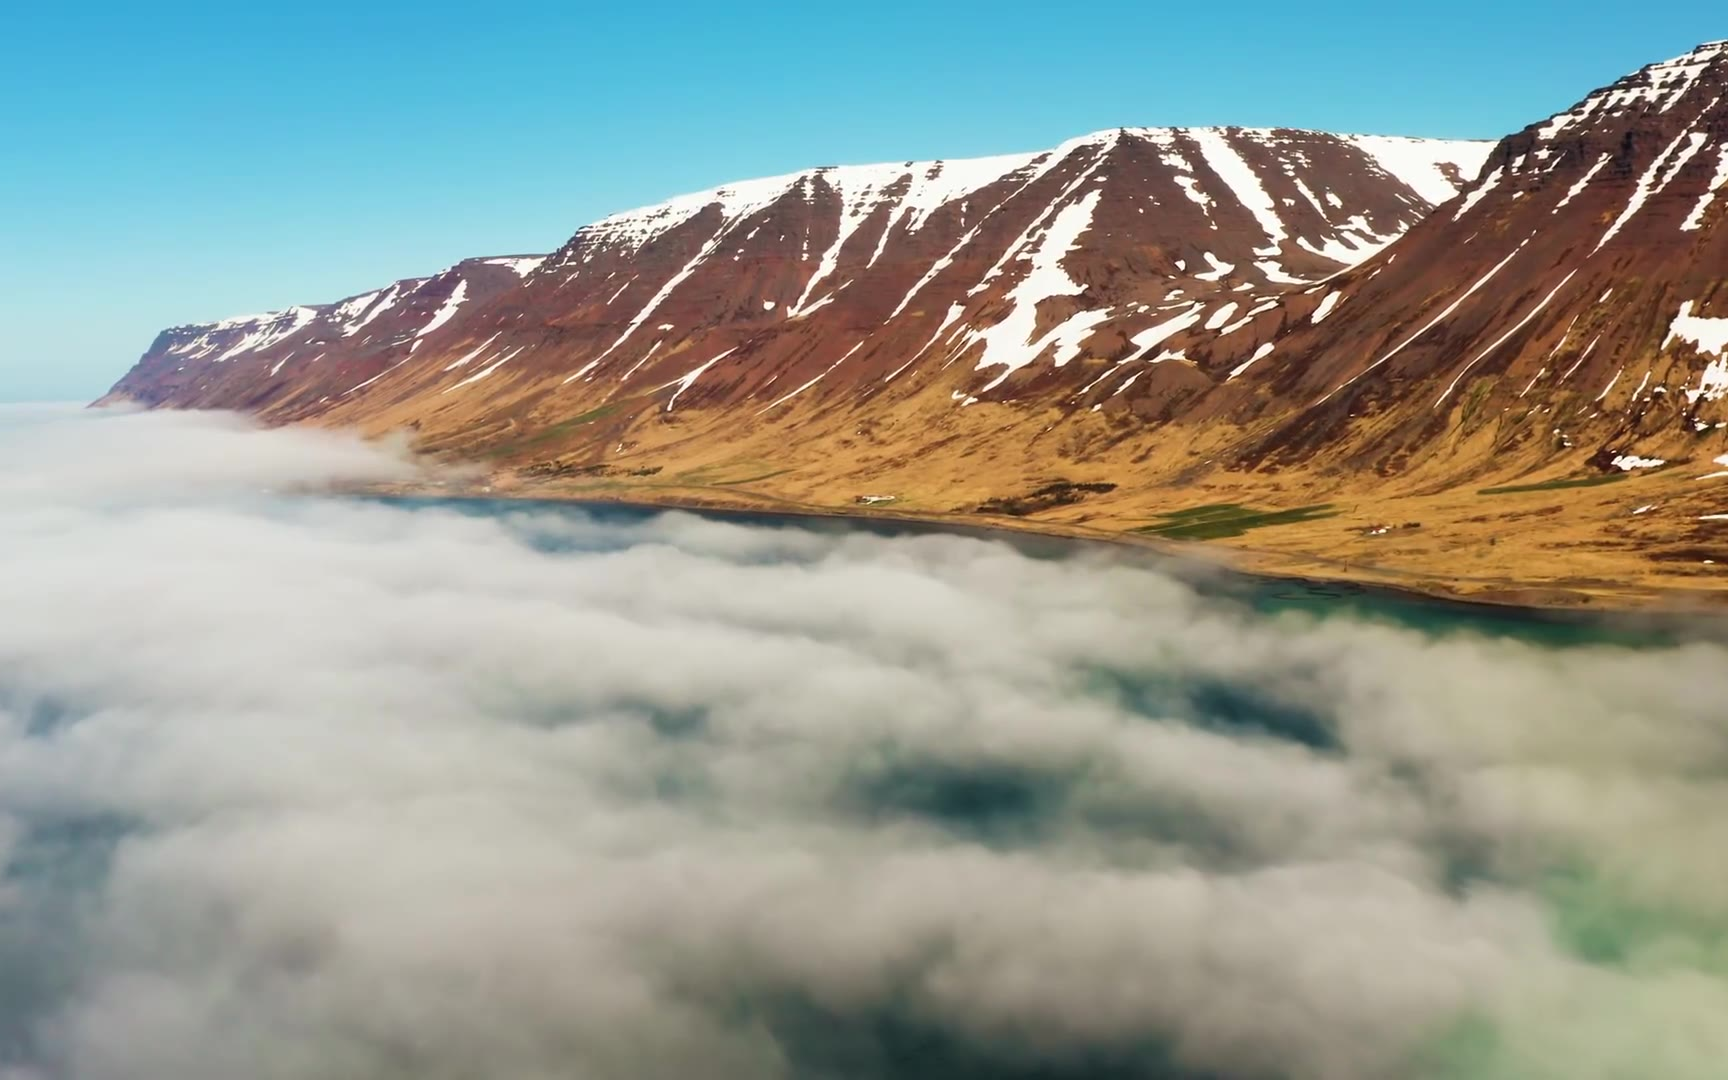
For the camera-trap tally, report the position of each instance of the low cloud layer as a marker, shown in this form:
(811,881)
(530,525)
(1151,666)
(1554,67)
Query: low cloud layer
(309,787)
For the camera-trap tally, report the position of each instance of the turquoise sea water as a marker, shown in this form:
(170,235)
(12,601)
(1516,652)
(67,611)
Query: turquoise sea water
(1268,595)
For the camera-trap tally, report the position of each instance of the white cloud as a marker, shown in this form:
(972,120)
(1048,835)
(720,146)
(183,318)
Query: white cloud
(295,786)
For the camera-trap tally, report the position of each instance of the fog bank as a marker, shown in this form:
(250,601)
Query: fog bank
(295,786)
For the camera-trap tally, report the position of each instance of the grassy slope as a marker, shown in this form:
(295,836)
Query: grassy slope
(1490,521)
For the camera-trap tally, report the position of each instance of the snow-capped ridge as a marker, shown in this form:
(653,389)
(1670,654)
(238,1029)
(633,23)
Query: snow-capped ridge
(353,312)
(1004,261)
(916,189)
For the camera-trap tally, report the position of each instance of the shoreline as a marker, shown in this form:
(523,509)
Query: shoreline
(1529,601)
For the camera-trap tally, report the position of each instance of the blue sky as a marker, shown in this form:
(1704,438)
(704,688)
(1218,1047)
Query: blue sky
(176,162)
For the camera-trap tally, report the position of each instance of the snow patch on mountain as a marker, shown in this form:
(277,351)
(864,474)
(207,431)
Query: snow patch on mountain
(444,314)
(1695,220)
(478,349)
(1419,164)
(1583,182)
(1710,337)
(521,265)
(1261,353)
(1657,177)
(376,306)
(1432,323)
(1707,335)
(1153,336)
(1008,344)
(1245,184)
(504,358)
(689,378)
(270,330)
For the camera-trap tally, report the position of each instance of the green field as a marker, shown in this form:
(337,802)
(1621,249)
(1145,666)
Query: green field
(730,474)
(1556,485)
(1221,521)
(556,431)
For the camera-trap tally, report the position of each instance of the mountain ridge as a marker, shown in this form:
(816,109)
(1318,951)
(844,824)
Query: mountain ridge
(897,202)
(1150,316)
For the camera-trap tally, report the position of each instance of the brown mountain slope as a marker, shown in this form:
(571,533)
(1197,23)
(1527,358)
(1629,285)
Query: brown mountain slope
(294,362)
(1559,311)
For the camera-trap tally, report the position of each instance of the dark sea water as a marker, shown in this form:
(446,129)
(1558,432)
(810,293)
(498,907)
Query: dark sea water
(1266,594)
